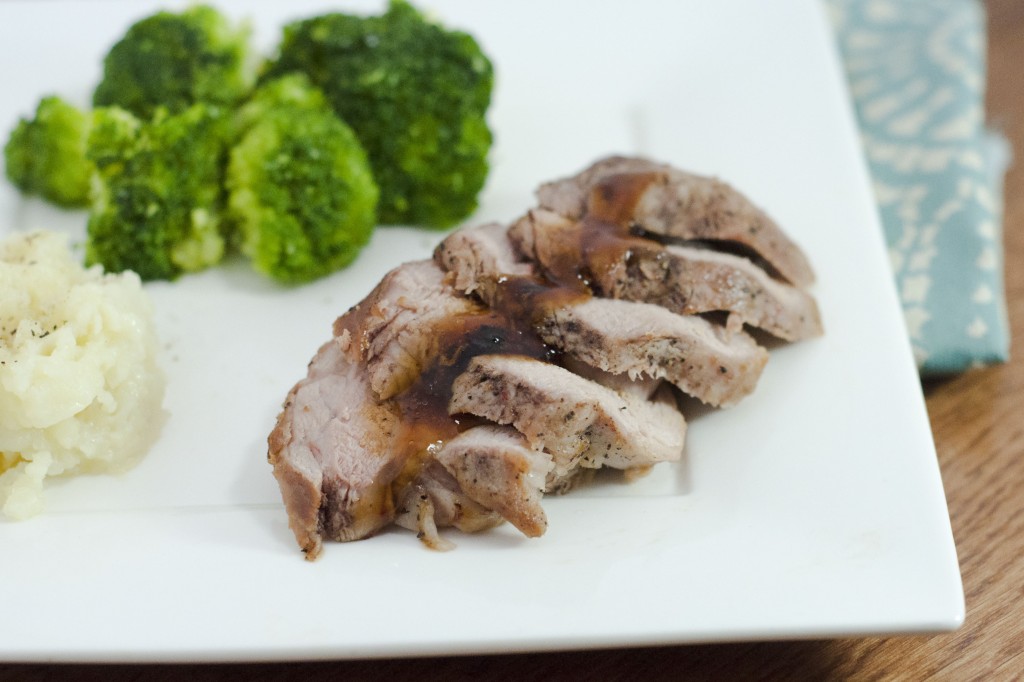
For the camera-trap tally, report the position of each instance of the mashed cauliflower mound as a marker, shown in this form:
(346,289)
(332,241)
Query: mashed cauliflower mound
(80,389)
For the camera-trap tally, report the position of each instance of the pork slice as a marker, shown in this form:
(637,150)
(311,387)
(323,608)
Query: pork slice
(701,280)
(579,422)
(684,279)
(675,204)
(434,499)
(393,325)
(343,438)
(642,387)
(548,238)
(333,451)
(704,360)
(718,366)
(478,259)
(496,468)
(569,196)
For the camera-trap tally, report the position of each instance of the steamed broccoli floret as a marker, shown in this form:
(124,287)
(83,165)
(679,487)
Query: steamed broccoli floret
(46,155)
(175,60)
(158,202)
(302,195)
(415,93)
(293,91)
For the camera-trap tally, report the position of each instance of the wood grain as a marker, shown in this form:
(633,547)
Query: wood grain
(979,432)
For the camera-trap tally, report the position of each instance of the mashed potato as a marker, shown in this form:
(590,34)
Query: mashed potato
(80,389)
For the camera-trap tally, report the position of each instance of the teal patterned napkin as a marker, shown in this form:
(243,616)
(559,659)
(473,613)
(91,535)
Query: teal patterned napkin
(916,70)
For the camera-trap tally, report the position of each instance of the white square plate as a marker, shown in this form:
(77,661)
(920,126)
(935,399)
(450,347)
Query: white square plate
(813,509)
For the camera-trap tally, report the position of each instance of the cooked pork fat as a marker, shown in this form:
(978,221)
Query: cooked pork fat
(662,200)
(684,279)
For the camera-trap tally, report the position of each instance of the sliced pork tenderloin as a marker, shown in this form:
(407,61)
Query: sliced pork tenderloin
(462,389)
(335,450)
(479,258)
(434,499)
(495,467)
(697,280)
(716,365)
(353,434)
(704,360)
(672,203)
(579,422)
(392,325)
(684,279)
(357,443)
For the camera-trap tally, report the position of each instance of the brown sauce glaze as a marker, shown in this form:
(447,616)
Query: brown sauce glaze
(614,199)
(507,329)
(520,303)
(608,250)
(460,340)
(593,252)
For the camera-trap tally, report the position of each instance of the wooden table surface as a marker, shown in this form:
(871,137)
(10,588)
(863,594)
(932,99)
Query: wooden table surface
(978,422)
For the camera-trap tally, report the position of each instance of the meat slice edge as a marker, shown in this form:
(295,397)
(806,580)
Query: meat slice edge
(569,196)
(434,499)
(392,325)
(684,279)
(717,366)
(580,423)
(641,339)
(479,258)
(716,281)
(676,204)
(331,446)
(495,467)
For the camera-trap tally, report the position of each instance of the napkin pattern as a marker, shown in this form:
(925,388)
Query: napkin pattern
(916,71)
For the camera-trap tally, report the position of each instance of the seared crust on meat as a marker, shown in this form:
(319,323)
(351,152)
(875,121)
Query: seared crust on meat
(685,279)
(478,258)
(332,445)
(675,204)
(388,327)
(299,478)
